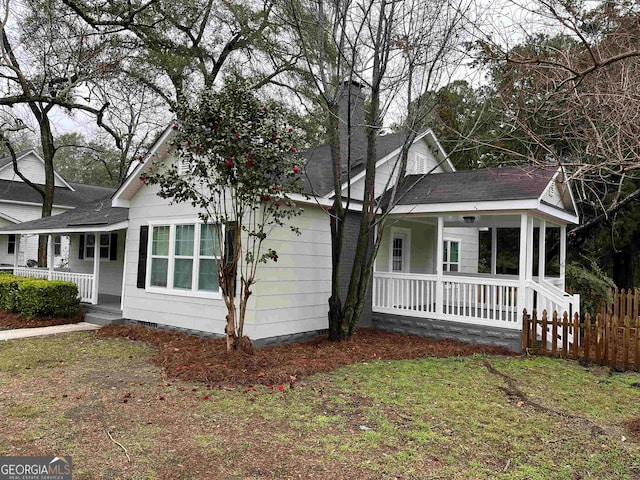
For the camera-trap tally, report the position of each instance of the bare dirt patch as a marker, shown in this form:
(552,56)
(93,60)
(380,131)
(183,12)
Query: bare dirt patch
(10,321)
(196,359)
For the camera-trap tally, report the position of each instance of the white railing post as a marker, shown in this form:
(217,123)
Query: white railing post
(96,271)
(563,254)
(439,267)
(542,250)
(50,258)
(16,253)
(522,263)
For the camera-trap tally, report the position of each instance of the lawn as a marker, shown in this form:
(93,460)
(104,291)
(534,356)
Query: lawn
(102,400)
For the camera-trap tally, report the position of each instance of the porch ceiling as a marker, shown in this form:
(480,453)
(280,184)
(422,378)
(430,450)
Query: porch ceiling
(481,220)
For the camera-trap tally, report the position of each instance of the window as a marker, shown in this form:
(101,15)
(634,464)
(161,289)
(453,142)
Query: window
(57,245)
(451,256)
(106,244)
(399,254)
(184,257)
(11,244)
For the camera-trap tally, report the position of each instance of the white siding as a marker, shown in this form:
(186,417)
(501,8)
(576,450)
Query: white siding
(110,280)
(469,244)
(423,248)
(389,170)
(289,297)
(422,241)
(24,213)
(291,294)
(31,167)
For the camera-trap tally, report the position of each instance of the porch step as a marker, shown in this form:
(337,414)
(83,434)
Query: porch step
(103,318)
(103,314)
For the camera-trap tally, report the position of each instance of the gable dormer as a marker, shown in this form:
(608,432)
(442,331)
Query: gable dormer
(31,166)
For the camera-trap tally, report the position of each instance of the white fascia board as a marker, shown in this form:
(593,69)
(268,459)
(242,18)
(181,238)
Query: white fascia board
(558,214)
(568,183)
(476,208)
(431,134)
(32,204)
(467,207)
(133,183)
(322,202)
(66,230)
(35,154)
(8,218)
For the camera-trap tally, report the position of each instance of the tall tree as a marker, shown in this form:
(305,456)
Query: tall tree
(49,63)
(574,94)
(390,48)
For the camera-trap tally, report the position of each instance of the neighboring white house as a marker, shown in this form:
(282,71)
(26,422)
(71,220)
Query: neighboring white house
(20,203)
(426,276)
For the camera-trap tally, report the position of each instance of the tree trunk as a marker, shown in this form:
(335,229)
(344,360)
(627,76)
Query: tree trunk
(623,267)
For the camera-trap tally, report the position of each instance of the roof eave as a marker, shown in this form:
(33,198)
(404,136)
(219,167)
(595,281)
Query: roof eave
(67,229)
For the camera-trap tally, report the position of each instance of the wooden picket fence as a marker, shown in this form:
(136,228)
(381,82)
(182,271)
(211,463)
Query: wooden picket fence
(624,303)
(603,340)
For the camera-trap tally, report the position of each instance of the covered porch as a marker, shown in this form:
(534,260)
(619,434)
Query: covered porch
(469,284)
(96,236)
(481,260)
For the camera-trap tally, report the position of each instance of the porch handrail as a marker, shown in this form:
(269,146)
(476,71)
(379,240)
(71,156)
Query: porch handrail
(84,281)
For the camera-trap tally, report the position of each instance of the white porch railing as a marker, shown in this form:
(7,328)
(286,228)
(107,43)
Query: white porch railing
(84,281)
(404,293)
(545,296)
(486,301)
(491,301)
(477,300)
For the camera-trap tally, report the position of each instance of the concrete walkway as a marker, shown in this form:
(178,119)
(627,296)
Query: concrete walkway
(41,331)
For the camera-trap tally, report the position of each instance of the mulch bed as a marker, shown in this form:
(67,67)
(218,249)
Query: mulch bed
(205,360)
(9,321)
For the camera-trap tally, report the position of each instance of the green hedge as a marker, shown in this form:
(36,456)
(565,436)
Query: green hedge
(34,297)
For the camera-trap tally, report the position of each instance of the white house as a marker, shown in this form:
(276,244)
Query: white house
(426,278)
(21,203)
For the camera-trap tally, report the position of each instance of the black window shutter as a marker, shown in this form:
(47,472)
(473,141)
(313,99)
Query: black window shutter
(81,248)
(229,240)
(113,252)
(142,256)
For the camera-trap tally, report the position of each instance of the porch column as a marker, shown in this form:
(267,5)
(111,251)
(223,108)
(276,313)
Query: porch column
(50,257)
(494,251)
(563,253)
(16,253)
(439,267)
(542,250)
(96,269)
(522,264)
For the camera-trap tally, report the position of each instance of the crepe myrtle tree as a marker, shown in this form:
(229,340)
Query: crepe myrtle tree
(236,162)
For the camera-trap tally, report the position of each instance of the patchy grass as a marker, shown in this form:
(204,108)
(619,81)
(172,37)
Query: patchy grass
(474,417)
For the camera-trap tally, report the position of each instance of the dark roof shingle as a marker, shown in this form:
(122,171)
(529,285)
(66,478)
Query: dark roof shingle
(21,192)
(99,213)
(491,184)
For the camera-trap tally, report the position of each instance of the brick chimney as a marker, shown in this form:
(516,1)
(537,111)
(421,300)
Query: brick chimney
(353,142)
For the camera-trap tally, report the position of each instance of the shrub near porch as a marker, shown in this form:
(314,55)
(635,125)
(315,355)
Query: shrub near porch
(31,297)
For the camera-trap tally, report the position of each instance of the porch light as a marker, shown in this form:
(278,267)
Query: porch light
(469,219)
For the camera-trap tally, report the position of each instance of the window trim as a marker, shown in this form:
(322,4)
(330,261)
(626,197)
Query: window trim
(448,262)
(406,249)
(96,245)
(57,245)
(169,289)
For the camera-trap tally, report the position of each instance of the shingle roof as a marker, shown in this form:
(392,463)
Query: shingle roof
(491,184)
(21,192)
(318,169)
(99,213)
